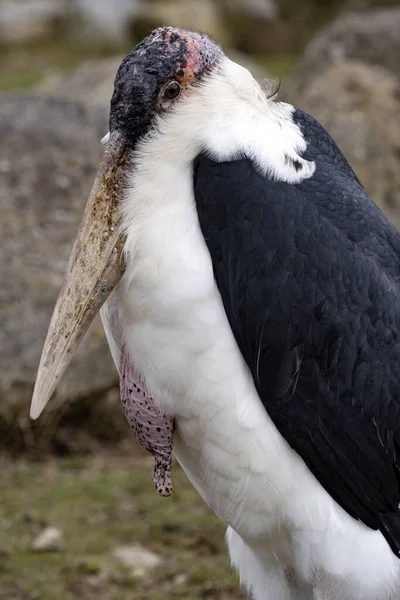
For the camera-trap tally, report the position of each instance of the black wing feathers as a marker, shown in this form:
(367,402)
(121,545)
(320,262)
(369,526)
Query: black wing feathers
(310,280)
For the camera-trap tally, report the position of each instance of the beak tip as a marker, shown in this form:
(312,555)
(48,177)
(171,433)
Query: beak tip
(38,403)
(36,410)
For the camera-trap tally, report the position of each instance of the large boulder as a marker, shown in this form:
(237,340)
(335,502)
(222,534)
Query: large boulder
(27,20)
(371,37)
(97,20)
(49,153)
(360,107)
(82,20)
(91,83)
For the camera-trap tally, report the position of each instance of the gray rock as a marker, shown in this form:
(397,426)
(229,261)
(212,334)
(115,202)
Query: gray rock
(25,20)
(137,559)
(370,36)
(49,153)
(105,19)
(91,83)
(50,539)
(180,580)
(360,107)
(88,20)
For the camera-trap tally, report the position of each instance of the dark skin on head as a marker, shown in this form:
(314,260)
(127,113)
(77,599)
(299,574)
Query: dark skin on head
(155,73)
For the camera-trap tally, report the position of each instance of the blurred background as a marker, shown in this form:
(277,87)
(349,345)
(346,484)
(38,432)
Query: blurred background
(79,517)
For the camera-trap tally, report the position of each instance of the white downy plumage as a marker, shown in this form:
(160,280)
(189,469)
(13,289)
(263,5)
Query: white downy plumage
(287,538)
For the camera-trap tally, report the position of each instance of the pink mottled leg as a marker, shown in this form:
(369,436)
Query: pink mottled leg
(153,429)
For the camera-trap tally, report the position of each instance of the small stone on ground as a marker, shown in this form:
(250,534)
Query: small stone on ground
(50,539)
(137,558)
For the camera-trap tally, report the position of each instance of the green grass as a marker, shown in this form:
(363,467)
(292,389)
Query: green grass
(100,503)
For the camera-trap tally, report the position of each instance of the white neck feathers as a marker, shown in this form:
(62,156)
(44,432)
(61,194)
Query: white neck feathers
(227,116)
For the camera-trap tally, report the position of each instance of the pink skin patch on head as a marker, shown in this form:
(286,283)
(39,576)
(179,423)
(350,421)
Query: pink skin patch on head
(193,63)
(196,60)
(153,430)
(188,54)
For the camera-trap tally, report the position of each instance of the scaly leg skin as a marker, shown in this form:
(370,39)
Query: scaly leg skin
(153,429)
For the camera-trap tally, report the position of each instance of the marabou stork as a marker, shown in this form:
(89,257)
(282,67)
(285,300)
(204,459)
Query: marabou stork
(250,292)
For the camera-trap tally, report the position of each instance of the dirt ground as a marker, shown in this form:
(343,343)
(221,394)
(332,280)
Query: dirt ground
(99,504)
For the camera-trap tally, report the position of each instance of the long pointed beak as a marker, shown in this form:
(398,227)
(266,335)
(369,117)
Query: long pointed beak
(94,269)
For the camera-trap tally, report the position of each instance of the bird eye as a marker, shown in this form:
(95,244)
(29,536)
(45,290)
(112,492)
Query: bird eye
(172,90)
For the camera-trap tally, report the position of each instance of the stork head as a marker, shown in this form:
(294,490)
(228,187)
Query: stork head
(156,75)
